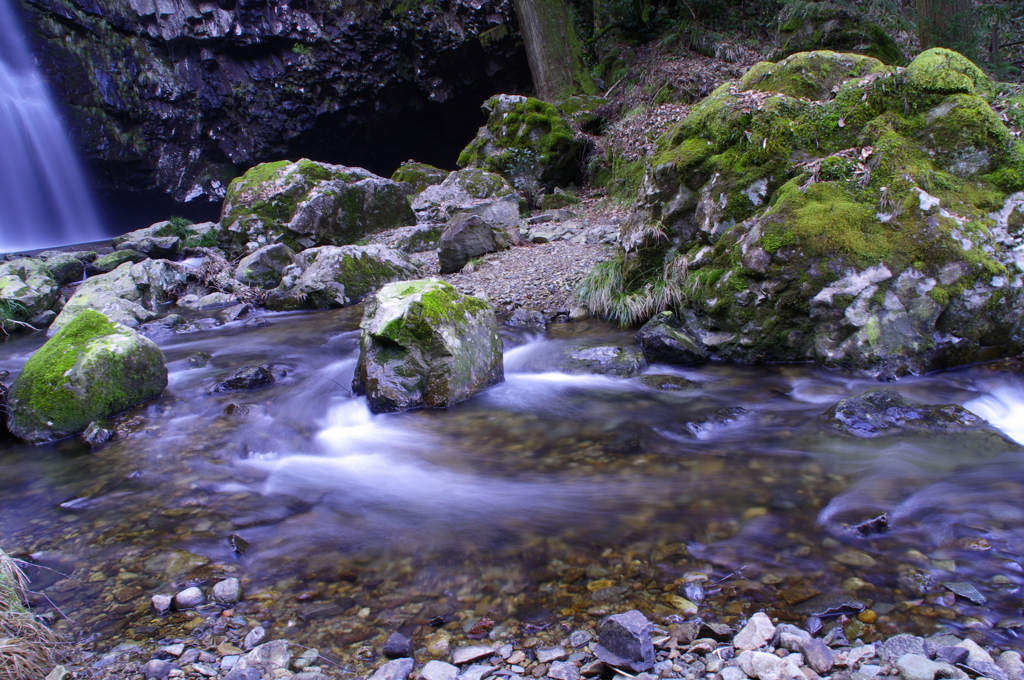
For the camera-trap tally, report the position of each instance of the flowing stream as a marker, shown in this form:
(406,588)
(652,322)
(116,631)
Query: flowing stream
(549,498)
(43,196)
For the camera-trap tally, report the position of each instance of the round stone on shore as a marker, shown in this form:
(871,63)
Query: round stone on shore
(228,591)
(190,598)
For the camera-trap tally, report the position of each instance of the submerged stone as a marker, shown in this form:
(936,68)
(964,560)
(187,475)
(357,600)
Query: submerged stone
(425,344)
(90,370)
(664,341)
(887,412)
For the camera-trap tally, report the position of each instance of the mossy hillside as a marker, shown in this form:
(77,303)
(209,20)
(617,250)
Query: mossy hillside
(91,369)
(807,26)
(887,173)
(810,75)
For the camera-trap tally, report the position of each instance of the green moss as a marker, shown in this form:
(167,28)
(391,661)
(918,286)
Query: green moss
(942,71)
(810,75)
(419,175)
(439,303)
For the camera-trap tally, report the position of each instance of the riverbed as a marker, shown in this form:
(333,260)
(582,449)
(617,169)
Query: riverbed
(547,501)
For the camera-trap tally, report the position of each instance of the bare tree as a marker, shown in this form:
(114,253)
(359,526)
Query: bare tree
(553,49)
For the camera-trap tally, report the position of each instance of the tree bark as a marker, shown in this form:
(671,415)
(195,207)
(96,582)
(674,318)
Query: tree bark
(553,49)
(946,23)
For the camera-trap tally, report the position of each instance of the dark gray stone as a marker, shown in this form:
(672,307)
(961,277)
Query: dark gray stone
(245,378)
(966,591)
(817,655)
(157,669)
(397,669)
(665,341)
(243,674)
(467,236)
(624,640)
(953,655)
(397,646)
(886,412)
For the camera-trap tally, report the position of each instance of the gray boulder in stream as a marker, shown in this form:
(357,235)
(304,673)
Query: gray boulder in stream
(337,276)
(426,344)
(90,370)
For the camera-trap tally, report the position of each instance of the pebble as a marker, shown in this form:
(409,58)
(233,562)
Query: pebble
(463,655)
(162,603)
(765,666)
(1011,664)
(254,637)
(438,670)
(228,591)
(817,655)
(397,669)
(919,667)
(175,649)
(625,640)
(476,672)
(551,654)
(756,634)
(900,645)
(397,646)
(190,598)
(563,670)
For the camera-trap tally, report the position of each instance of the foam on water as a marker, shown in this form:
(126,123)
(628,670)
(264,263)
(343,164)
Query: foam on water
(1004,408)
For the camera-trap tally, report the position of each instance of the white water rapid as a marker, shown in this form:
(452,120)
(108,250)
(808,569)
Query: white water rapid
(43,196)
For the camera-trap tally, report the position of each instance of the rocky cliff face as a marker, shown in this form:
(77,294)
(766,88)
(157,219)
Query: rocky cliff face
(181,95)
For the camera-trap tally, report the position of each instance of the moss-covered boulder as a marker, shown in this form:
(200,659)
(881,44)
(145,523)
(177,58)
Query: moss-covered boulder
(419,175)
(27,289)
(105,264)
(878,228)
(307,204)
(90,370)
(264,267)
(67,267)
(131,294)
(425,344)
(166,239)
(468,190)
(527,141)
(338,276)
(807,26)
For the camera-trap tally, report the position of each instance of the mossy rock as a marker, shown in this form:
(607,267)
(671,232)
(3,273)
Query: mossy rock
(111,261)
(943,71)
(419,175)
(307,204)
(92,369)
(131,294)
(808,26)
(811,75)
(869,230)
(27,289)
(527,141)
(462,191)
(338,276)
(425,344)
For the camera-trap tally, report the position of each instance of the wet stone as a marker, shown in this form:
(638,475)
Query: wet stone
(254,637)
(918,667)
(1011,664)
(397,669)
(228,591)
(756,634)
(189,598)
(266,657)
(817,655)
(966,591)
(157,669)
(550,654)
(900,645)
(162,603)
(438,670)
(578,638)
(563,670)
(625,640)
(476,672)
(975,653)
(951,655)
(765,666)
(463,655)
(733,673)
(245,378)
(397,646)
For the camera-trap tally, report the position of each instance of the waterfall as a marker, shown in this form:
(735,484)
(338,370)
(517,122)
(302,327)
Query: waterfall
(43,196)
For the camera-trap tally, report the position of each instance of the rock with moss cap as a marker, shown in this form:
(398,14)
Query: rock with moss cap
(105,264)
(469,190)
(425,344)
(307,204)
(264,267)
(90,370)
(419,175)
(167,238)
(338,276)
(27,289)
(131,294)
(806,26)
(527,141)
(877,229)
(67,267)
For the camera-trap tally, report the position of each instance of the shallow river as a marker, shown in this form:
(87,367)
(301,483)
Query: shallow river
(548,500)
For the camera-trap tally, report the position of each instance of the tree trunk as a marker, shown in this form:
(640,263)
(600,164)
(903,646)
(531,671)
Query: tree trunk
(553,49)
(946,23)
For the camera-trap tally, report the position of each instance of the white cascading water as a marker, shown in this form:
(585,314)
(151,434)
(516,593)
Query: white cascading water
(44,201)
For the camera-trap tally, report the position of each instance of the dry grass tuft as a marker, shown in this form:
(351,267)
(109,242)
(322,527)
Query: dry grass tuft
(28,649)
